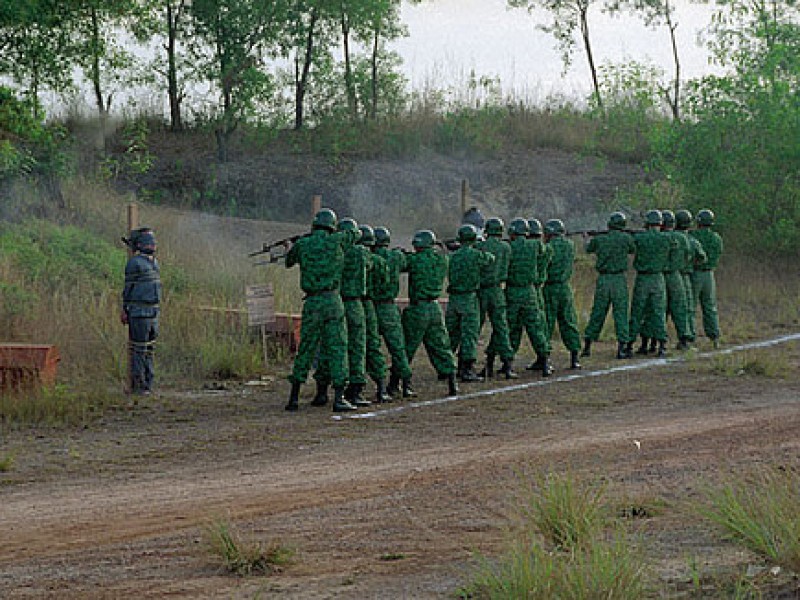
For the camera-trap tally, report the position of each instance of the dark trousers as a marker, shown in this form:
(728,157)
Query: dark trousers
(142,335)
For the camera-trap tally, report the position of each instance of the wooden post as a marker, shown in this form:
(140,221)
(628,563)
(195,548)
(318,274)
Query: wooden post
(316,205)
(133,223)
(464,198)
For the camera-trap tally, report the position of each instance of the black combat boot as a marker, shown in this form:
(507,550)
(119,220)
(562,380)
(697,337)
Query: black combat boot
(587,347)
(381,396)
(683,344)
(321,399)
(508,370)
(488,370)
(629,349)
(537,364)
(573,360)
(408,391)
(355,398)
(622,350)
(339,403)
(393,388)
(643,348)
(547,370)
(662,348)
(294,397)
(653,346)
(468,374)
(452,386)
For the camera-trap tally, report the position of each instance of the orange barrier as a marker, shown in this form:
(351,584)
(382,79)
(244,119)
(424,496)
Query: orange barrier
(27,365)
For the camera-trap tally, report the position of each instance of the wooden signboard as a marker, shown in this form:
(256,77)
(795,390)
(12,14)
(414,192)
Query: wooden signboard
(260,304)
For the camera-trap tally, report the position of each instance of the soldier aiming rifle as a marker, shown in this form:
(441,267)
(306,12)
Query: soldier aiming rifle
(269,248)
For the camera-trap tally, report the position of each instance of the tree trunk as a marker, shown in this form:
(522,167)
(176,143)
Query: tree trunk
(348,69)
(375,49)
(301,81)
(587,44)
(675,99)
(173,16)
(103,104)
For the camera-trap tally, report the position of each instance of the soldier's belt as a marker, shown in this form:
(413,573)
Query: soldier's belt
(611,272)
(649,272)
(490,286)
(391,301)
(354,298)
(462,293)
(518,285)
(704,269)
(321,293)
(423,300)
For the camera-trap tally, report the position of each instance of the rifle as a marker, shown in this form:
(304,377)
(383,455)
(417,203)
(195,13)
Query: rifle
(267,248)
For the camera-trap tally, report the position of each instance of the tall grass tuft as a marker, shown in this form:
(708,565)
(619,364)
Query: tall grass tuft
(244,557)
(565,548)
(761,511)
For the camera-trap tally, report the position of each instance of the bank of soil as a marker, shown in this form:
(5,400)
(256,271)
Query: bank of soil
(395,506)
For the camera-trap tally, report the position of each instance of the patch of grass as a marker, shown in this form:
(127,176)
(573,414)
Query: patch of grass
(6,463)
(760,511)
(56,406)
(567,513)
(390,556)
(244,557)
(755,363)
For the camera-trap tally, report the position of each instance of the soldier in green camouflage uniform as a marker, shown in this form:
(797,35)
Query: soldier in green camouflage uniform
(679,255)
(493,299)
(612,252)
(536,233)
(462,318)
(649,303)
(558,296)
(321,258)
(523,309)
(384,293)
(422,320)
(704,285)
(697,257)
(377,276)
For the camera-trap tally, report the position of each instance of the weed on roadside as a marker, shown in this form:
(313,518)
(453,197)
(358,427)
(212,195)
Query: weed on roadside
(755,363)
(55,406)
(6,463)
(242,556)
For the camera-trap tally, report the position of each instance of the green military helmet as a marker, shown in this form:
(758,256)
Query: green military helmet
(535,227)
(555,227)
(348,224)
(467,233)
(617,220)
(494,226)
(325,219)
(424,238)
(683,219)
(367,235)
(653,217)
(383,237)
(668,218)
(705,217)
(518,227)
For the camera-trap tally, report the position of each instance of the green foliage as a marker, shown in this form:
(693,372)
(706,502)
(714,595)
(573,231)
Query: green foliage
(243,557)
(760,510)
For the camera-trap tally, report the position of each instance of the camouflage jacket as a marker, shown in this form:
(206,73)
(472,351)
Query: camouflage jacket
(396,263)
(561,266)
(495,273)
(466,265)
(712,245)
(652,251)
(612,251)
(427,270)
(522,268)
(321,258)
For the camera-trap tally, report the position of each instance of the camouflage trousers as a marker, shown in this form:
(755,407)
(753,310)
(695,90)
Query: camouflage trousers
(423,324)
(463,323)
(376,363)
(560,310)
(687,286)
(611,291)
(677,308)
(323,329)
(493,305)
(391,329)
(523,313)
(704,289)
(649,307)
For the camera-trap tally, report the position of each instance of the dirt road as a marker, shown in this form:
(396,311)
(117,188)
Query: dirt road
(389,507)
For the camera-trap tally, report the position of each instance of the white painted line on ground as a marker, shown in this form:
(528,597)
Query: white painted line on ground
(630,366)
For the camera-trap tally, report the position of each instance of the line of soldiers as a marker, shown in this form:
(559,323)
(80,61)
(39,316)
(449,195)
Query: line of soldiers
(351,280)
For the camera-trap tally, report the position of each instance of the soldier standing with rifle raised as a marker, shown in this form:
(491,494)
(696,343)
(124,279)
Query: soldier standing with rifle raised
(536,233)
(611,289)
(558,295)
(679,254)
(704,285)
(697,257)
(321,258)
(376,277)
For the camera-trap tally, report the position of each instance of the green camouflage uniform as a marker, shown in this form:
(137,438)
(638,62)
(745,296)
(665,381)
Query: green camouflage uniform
(677,308)
(321,258)
(523,308)
(542,267)
(704,285)
(493,298)
(376,277)
(612,252)
(462,318)
(422,320)
(696,257)
(357,265)
(383,294)
(649,303)
(558,297)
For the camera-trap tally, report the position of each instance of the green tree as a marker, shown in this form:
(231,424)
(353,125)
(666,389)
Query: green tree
(568,17)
